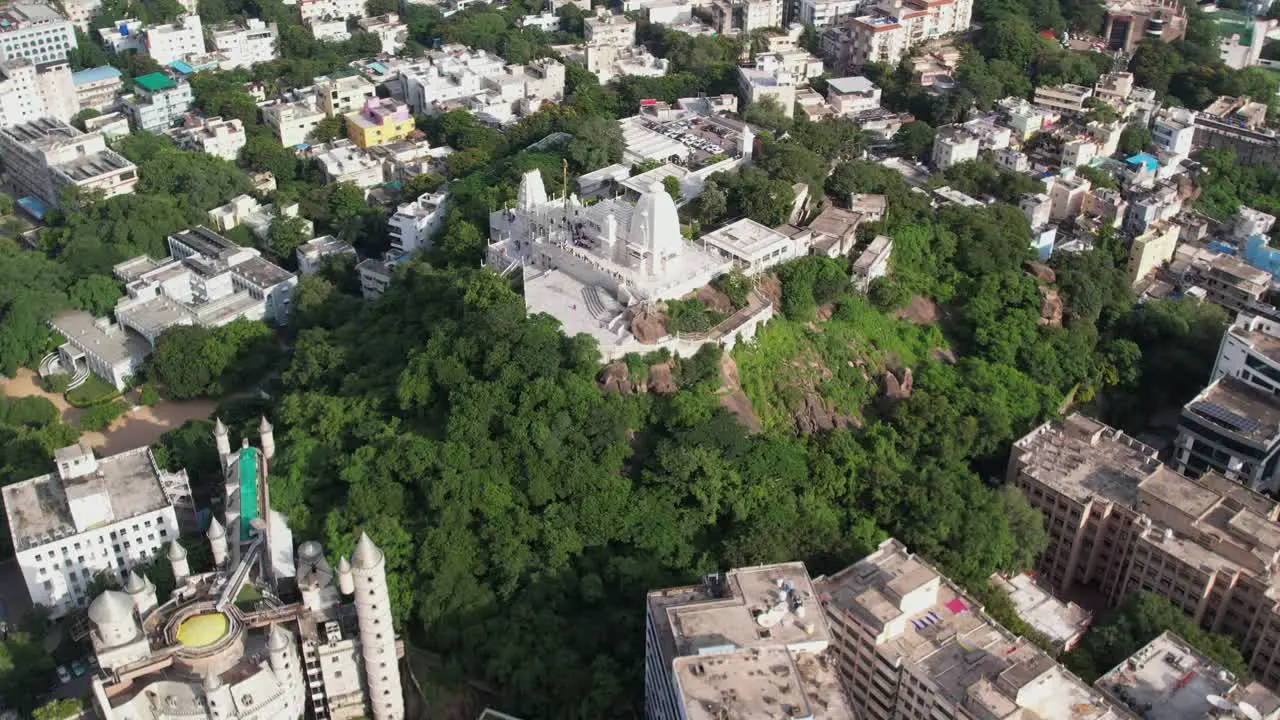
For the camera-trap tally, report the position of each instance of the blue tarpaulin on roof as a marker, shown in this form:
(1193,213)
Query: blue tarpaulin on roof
(34,206)
(1147,160)
(182,67)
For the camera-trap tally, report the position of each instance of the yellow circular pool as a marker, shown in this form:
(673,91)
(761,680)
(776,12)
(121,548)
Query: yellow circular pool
(202,630)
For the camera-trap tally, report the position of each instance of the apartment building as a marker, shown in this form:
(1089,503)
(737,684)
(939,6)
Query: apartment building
(80,12)
(1232,283)
(92,516)
(215,136)
(1249,222)
(610,29)
(29,91)
(312,10)
(1250,352)
(378,122)
(214,256)
(456,77)
(1067,192)
(158,102)
(339,96)
(1151,250)
(745,16)
(1120,520)
(849,96)
(97,88)
(823,13)
(162,43)
(1231,427)
(1173,130)
(414,224)
(292,122)
(1066,98)
(893,27)
(1036,207)
(952,145)
(375,275)
(751,642)
(313,254)
(247,45)
(1062,623)
(910,643)
(391,33)
(44,156)
(35,32)
(342,161)
(1169,680)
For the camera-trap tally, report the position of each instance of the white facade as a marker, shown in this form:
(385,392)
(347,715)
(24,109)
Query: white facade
(377,638)
(745,16)
(344,162)
(119,511)
(616,30)
(215,136)
(246,46)
(414,223)
(1173,130)
(751,246)
(97,88)
(292,122)
(458,77)
(80,12)
(953,145)
(1063,98)
(850,96)
(312,254)
(888,34)
(162,43)
(1250,352)
(28,92)
(311,10)
(339,96)
(36,32)
(391,33)
(821,13)
(45,155)
(330,30)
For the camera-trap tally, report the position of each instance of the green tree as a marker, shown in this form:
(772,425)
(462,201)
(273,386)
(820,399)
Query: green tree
(179,364)
(330,128)
(1134,139)
(58,710)
(285,235)
(915,139)
(597,143)
(672,185)
(418,185)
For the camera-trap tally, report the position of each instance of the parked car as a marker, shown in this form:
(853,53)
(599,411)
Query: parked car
(78,668)
(63,676)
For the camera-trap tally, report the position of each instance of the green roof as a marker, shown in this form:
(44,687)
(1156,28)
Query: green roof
(155,81)
(248,472)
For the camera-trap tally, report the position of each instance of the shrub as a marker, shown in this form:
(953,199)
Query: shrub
(735,286)
(887,295)
(148,395)
(57,383)
(98,417)
(94,391)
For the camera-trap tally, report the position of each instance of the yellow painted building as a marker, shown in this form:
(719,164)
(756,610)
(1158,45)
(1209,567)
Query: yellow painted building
(1152,249)
(380,121)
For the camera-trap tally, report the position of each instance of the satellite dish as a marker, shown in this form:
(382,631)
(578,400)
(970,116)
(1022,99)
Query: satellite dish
(1219,702)
(1249,711)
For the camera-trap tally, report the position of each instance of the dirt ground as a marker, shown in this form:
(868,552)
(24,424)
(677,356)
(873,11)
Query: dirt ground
(919,310)
(139,426)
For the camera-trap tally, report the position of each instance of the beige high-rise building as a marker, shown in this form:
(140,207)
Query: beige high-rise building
(910,644)
(1120,520)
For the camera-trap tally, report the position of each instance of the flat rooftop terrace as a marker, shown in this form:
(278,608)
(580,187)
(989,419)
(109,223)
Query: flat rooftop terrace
(1083,458)
(39,506)
(1170,678)
(1238,408)
(761,684)
(1061,622)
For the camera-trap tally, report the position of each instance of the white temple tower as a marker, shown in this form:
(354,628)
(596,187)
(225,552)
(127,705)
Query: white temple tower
(178,561)
(217,535)
(221,440)
(142,590)
(377,638)
(267,439)
(346,583)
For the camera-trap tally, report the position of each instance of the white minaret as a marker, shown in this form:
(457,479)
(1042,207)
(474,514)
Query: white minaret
(143,592)
(217,535)
(267,439)
(178,561)
(346,583)
(278,646)
(377,637)
(748,143)
(221,440)
(112,614)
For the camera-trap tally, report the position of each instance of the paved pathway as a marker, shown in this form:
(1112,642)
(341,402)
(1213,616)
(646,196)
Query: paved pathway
(140,426)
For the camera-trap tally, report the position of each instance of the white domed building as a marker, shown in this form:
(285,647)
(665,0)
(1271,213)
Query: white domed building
(226,646)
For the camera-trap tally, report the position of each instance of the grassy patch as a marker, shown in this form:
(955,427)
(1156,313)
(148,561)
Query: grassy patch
(841,360)
(94,390)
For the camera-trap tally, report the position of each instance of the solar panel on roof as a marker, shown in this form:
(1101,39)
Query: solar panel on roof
(1231,419)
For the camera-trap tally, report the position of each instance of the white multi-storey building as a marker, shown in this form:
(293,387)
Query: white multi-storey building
(312,254)
(36,32)
(157,102)
(1063,98)
(751,643)
(821,13)
(97,88)
(608,29)
(1067,192)
(292,122)
(953,145)
(1173,130)
(887,34)
(339,96)
(162,43)
(311,10)
(245,46)
(745,16)
(458,77)
(45,155)
(29,91)
(342,161)
(391,33)
(92,516)
(910,644)
(415,223)
(853,95)
(215,136)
